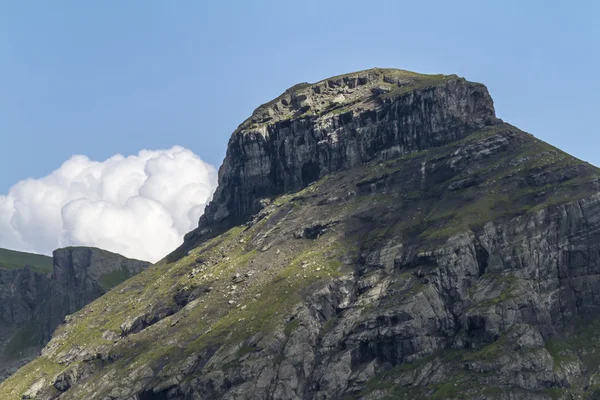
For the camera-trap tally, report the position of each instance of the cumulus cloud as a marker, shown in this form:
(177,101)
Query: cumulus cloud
(139,206)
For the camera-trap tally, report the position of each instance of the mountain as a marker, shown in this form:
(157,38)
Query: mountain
(379,234)
(37,292)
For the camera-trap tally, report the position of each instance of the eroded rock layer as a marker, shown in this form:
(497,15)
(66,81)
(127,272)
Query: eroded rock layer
(340,123)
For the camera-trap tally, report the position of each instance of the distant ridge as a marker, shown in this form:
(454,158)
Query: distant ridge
(37,292)
(12,259)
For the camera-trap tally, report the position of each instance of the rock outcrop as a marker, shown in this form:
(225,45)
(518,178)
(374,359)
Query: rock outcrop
(33,303)
(376,235)
(339,123)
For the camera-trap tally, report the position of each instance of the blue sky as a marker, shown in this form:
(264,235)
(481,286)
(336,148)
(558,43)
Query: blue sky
(107,77)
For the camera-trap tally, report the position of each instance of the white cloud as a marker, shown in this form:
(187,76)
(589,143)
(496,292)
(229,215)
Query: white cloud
(139,206)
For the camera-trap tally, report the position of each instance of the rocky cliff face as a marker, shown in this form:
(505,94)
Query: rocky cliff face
(33,303)
(22,291)
(339,123)
(376,235)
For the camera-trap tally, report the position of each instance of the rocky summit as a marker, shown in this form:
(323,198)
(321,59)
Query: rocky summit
(375,235)
(37,292)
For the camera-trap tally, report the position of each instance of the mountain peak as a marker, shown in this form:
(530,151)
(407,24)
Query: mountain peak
(354,91)
(312,130)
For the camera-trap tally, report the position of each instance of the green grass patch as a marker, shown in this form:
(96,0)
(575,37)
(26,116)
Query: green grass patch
(26,338)
(12,259)
(18,383)
(556,393)
(245,350)
(448,391)
(114,278)
(560,351)
(489,352)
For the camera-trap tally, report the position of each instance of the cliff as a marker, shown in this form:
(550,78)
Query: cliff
(339,123)
(34,301)
(376,235)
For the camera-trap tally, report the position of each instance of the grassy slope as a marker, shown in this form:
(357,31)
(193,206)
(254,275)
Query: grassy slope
(112,279)
(27,338)
(16,259)
(283,272)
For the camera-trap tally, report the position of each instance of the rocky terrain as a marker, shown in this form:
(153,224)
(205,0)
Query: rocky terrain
(375,235)
(37,292)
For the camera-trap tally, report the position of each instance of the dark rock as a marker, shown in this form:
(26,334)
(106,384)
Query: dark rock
(462,184)
(273,162)
(134,324)
(313,231)
(33,304)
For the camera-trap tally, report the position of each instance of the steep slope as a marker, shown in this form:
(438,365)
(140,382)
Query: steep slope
(37,292)
(375,234)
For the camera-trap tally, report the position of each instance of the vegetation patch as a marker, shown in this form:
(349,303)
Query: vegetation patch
(26,338)
(114,278)
(556,393)
(20,382)
(11,259)
(560,351)
(291,327)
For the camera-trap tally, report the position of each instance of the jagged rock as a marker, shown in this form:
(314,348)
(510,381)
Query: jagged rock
(110,335)
(283,155)
(313,231)
(133,325)
(34,389)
